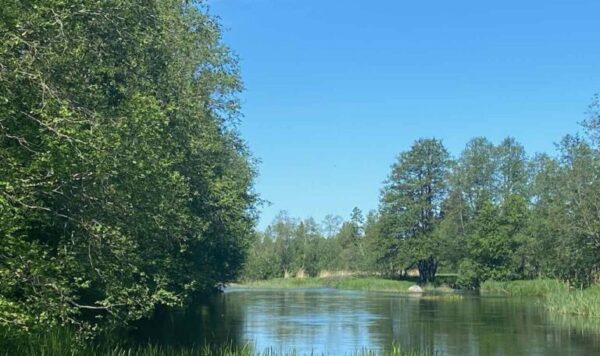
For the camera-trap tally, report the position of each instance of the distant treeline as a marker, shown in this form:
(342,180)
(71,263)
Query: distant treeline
(493,212)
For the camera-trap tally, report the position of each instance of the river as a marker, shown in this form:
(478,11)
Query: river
(340,322)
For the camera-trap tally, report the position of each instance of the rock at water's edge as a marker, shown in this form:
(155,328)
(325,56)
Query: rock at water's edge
(415,289)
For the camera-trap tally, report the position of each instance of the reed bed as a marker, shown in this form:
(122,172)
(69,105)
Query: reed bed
(584,302)
(532,288)
(556,296)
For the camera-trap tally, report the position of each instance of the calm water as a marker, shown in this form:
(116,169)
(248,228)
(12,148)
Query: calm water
(339,322)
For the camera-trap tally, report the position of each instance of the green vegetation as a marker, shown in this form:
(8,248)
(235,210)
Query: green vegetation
(538,287)
(286,283)
(557,297)
(584,302)
(123,182)
(372,284)
(411,208)
(492,213)
(62,342)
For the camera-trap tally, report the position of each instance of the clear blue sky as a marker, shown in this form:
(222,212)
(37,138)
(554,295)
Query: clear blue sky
(336,89)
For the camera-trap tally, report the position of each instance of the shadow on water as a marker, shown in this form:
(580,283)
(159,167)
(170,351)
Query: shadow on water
(340,322)
(211,320)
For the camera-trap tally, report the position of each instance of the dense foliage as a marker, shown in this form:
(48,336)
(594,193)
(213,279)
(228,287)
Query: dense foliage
(123,183)
(492,213)
(291,247)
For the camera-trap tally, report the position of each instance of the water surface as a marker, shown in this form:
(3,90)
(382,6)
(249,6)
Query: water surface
(340,322)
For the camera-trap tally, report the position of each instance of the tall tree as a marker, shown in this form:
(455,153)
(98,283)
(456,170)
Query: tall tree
(411,206)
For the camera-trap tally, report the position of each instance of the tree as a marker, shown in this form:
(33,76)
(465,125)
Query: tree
(511,175)
(123,181)
(331,225)
(411,207)
(578,210)
(470,185)
(350,239)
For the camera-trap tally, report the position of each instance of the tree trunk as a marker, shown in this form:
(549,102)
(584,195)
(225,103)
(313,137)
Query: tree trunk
(427,269)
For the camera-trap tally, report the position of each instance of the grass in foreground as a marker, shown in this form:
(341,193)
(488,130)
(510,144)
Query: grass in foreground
(61,342)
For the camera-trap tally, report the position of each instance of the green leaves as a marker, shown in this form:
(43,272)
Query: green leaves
(411,207)
(123,183)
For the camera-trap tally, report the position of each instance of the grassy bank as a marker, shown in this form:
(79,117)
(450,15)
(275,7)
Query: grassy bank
(556,296)
(372,284)
(537,288)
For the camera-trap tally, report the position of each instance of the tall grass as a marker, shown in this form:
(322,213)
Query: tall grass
(371,284)
(374,284)
(62,342)
(286,283)
(533,288)
(584,302)
(557,298)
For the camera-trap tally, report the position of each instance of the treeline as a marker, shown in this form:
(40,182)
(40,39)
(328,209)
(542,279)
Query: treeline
(123,182)
(291,247)
(493,212)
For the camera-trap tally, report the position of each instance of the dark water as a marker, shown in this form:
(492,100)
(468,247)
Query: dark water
(339,322)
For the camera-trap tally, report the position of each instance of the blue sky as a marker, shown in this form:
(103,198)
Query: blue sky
(336,89)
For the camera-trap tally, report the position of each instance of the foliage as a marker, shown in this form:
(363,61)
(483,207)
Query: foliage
(123,182)
(411,208)
(289,246)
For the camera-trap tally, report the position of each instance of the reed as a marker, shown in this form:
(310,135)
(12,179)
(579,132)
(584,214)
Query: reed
(62,342)
(556,296)
(533,288)
(584,302)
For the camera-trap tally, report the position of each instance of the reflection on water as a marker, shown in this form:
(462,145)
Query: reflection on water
(340,322)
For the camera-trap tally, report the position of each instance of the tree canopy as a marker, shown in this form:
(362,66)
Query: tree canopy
(123,182)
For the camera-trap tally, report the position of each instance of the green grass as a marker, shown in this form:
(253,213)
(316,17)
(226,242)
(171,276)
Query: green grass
(557,298)
(579,302)
(62,342)
(285,283)
(372,284)
(537,288)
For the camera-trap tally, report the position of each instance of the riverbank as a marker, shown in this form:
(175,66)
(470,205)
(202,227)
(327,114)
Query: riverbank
(556,296)
(370,284)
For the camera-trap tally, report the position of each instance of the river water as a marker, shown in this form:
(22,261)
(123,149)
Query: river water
(339,322)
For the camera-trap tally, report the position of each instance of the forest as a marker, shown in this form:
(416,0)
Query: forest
(494,212)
